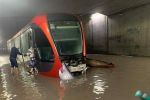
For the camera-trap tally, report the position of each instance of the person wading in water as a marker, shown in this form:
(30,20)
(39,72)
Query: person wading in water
(13,55)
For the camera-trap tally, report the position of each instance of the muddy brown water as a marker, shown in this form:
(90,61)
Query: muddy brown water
(118,83)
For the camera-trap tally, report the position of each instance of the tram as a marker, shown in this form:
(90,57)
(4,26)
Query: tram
(58,40)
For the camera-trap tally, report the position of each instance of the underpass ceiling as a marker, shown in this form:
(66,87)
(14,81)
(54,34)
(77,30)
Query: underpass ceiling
(14,14)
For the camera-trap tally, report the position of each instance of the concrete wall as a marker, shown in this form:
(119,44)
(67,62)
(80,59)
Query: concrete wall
(96,33)
(129,32)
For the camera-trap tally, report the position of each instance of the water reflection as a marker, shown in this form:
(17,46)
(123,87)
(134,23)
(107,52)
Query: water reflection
(99,84)
(61,90)
(29,83)
(6,94)
(38,87)
(99,88)
(91,85)
(79,81)
(3,60)
(45,88)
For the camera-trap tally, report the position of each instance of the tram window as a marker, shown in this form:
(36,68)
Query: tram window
(44,49)
(9,45)
(30,37)
(24,42)
(12,43)
(17,42)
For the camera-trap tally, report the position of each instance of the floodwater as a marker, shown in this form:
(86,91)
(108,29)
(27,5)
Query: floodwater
(120,83)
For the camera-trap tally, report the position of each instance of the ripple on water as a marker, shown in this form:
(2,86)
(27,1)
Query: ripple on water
(6,93)
(99,85)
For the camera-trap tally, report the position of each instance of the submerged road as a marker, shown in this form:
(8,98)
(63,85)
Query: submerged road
(119,83)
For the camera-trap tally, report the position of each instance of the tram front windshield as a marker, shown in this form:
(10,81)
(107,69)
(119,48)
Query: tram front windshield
(44,49)
(67,37)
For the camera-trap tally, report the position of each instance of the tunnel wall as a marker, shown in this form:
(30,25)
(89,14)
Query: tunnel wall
(126,33)
(96,33)
(129,32)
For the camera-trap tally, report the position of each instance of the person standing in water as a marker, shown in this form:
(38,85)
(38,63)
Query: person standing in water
(32,61)
(13,55)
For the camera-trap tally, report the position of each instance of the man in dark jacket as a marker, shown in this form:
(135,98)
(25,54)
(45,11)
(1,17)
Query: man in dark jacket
(13,55)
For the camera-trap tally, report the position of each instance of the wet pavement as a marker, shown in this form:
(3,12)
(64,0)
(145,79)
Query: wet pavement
(119,83)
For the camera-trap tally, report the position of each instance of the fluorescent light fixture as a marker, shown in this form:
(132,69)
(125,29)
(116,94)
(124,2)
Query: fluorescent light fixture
(97,16)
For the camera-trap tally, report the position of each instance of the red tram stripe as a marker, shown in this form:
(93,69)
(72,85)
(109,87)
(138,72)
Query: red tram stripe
(42,22)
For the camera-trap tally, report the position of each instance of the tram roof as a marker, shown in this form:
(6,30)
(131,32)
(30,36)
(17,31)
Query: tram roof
(51,17)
